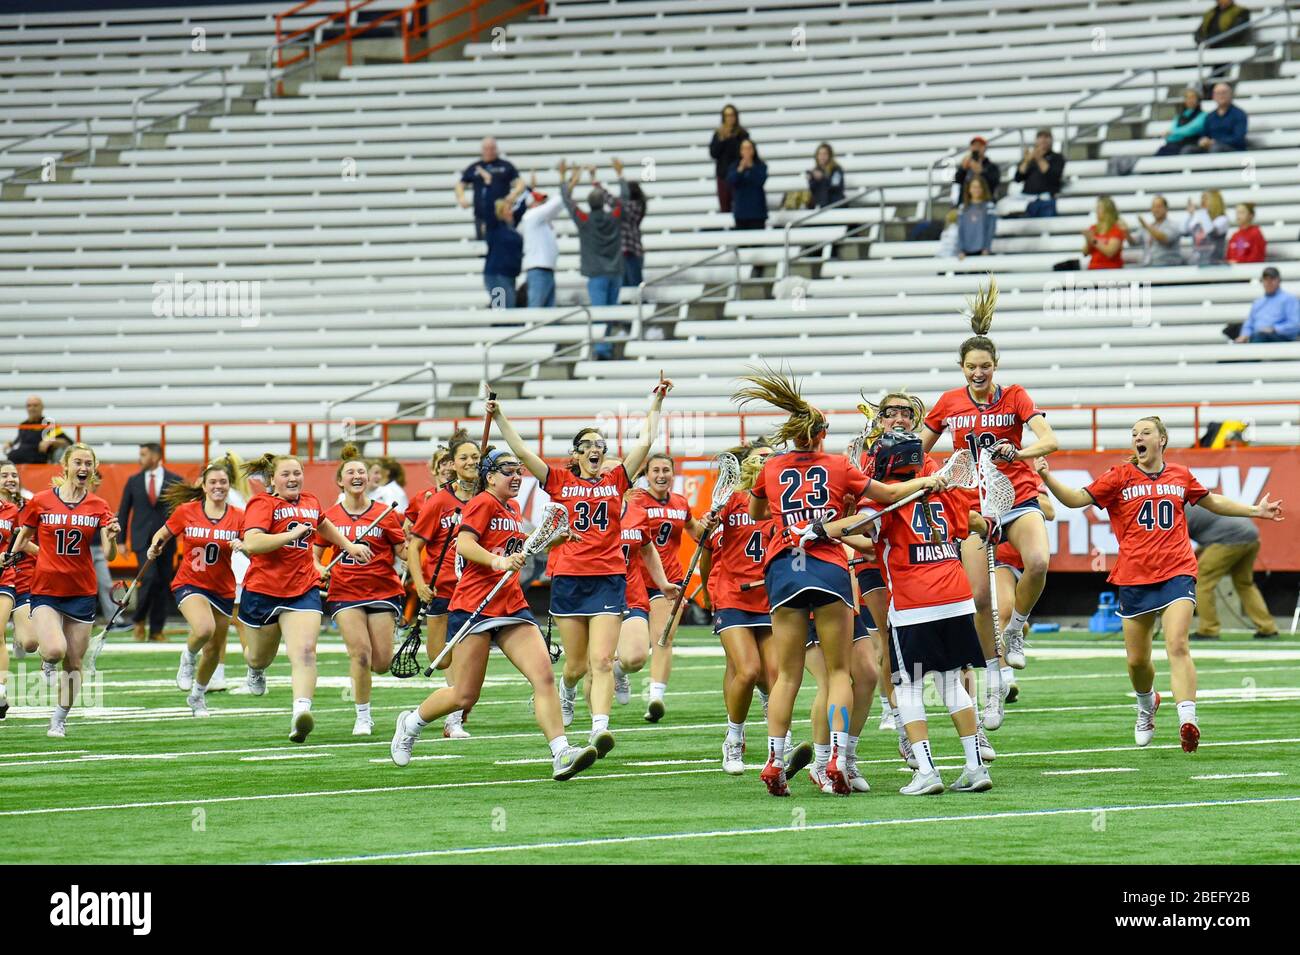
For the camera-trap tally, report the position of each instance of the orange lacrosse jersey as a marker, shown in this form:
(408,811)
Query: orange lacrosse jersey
(803,486)
(377,577)
(204,544)
(635,532)
(438,519)
(1146,515)
(975,427)
(8,528)
(499,528)
(65,567)
(287,571)
(594,507)
(666,519)
(739,545)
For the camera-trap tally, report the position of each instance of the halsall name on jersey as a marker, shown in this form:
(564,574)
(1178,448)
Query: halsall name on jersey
(933,553)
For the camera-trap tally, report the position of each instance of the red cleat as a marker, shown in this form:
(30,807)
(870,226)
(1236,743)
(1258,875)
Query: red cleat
(1190,734)
(836,773)
(773,776)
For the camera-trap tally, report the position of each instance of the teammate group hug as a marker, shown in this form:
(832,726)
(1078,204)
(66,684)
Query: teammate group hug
(867,570)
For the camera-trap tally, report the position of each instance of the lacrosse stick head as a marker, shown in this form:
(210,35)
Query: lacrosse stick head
(727,481)
(854,451)
(997,496)
(959,470)
(119,591)
(406,663)
(554,523)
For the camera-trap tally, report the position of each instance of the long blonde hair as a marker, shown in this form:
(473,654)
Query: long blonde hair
(238,479)
(1109,214)
(980,310)
(1160,429)
(774,387)
(61,479)
(1214,203)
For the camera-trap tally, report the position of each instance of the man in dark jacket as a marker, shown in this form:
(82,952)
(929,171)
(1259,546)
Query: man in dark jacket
(141,514)
(976,163)
(39,439)
(1222,17)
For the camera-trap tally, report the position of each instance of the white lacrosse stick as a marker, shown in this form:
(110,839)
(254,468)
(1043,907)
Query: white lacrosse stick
(958,471)
(854,451)
(723,487)
(997,497)
(554,523)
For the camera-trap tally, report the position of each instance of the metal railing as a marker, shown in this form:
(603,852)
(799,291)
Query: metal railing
(707,292)
(837,204)
(275,58)
(432,404)
(412,31)
(954,153)
(1284,9)
(560,353)
(1122,81)
(90,145)
(137,129)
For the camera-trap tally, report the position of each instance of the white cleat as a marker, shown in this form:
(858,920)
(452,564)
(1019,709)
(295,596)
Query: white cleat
(1014,641)
(454,729)
(57,730)
(733,757)
(565,766)
(301,727)
(857,782)
(622,688)
(403,742)
(568,697)
(905,751)
(218,682)
(987,753)
(923,784)
(4,701)
(817,775)
(994,706)
(1145,728)
(887,720)
(973,781)
(198,703)
(185,672)
(363,726)
(256,682)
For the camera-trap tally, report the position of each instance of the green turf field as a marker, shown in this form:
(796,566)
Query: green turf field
(140,780)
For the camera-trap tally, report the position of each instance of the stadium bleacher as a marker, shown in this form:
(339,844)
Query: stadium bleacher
(337,199)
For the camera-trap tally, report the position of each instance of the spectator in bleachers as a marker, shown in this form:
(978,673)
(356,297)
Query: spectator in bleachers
(1225,126)
(1103,241)
(492,178)
(1222,17)
(725,150)
(746,177)
(948,239)
(1041,170)
(1275,315)
(505,254)
(600,238)
(825,178)
(977,222)
(1247,244)
(976,163)
(535,211)
(634,203)
(39,439)
(1208,227)
(1158,238)
(1187,125)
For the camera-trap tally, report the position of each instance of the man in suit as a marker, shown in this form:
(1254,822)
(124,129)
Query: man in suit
(141,514)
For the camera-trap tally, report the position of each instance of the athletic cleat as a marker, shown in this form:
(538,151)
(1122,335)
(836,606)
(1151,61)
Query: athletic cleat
(817,776)
(185,673)
(654,711)
(218,682)
(838,774)
(622,688)
(256,682)
(1013,692)
(572,761)
(1145,728)
(1014,641)
(302,725)
(403,742)
(733,757)
(454,729)
(887,721)
(198,703)
(905,751)
(923,784)
(994,708)
(603,742)
(973,781)
(568,696)
(797,757)
(857,782)
(773,776)
(57,730)
(987,752)
(363,726)
(1189,734)
(49,671)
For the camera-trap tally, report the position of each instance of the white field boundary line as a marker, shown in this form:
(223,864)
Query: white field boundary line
(479,784)
(776,830)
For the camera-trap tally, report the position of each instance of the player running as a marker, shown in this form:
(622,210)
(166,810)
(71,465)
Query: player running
(19,566)
(489,540)
(431,558)
(1156,568)
(11,503)
(366,599)
(984,415)
(589,586)
(804,571)
(282,589)
(209,527)
(64,589)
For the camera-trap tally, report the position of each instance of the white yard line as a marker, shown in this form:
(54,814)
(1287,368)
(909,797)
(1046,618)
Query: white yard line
(1238,775)
(257,759)
(1088,772)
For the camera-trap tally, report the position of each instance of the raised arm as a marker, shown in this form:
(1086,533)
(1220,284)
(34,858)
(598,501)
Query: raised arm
(1069,496)
(1265,510)
(636,456)
(535,465)
(1046,443)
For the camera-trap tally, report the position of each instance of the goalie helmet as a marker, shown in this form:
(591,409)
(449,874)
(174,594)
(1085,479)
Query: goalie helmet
(896,453)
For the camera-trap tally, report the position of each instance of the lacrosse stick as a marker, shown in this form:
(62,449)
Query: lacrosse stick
(723,488)
(997,497)
(361,538)
(97,642)
(854,451)
(553,649)
(483,445)
(959,471)
(406,660)
(554,523)
(753,584)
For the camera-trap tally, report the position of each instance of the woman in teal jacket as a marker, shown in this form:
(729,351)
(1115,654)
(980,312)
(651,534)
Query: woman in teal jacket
(1186,126)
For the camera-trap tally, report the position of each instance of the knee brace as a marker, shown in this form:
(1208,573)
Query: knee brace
(911,701)
(953,691)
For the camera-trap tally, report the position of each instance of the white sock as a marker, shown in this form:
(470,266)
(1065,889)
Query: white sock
(559,745)
(363,711)
(839,744)
(1008,676)
(301,705)
(599,722)
(851,748)
(618,670)
(61,714)
(414,724)
(921,750)
(970,746)
(776,748)
(200,689)
(657,690)
(1147,701)
(189,657)
(1187,711)
(823,751)
(454,717)
(735,732)
(884,705)
(1018,620)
